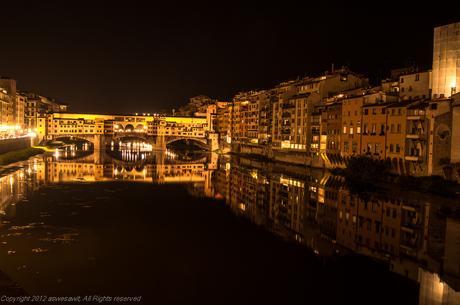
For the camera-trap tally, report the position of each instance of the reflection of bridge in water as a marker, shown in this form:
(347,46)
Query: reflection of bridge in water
(157,169)
(413,237)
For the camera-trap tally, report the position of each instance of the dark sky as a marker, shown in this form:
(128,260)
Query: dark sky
(140,57)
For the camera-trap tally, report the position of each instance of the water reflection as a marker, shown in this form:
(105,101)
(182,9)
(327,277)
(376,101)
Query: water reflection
(131,150)
(73,151)
(412,236)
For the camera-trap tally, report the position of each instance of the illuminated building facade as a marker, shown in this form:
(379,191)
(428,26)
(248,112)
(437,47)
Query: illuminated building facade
(446,60)
(415,85)
(296,101)
(37,106)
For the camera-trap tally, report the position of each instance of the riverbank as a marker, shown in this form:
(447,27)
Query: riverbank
(363,175)
(20,155)
(447,202)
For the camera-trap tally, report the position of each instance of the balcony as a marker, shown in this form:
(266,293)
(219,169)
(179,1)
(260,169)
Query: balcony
(413,158)
(415,117)
(415,133)
(415,136)
(287,106)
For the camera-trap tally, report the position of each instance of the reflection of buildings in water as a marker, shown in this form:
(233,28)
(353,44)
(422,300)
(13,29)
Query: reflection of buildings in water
(245,192)
(411,236)
(319,211)
(91,169)
(70,171)
(286,205)
(434,291)
(197,174)
(11,190)
(17,184)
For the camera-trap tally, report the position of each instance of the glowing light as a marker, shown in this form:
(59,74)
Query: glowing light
(286,144)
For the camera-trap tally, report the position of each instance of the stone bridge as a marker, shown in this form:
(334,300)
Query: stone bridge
(101,130)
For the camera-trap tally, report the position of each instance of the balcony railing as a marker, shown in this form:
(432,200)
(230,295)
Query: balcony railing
(414,136)
(287,106)
(413,158)
(415,117)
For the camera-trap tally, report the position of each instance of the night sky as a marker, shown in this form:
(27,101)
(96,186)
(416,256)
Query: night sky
(139,57)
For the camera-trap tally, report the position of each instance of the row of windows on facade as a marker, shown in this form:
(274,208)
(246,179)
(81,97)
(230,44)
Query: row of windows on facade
(364,222)
(371,111)
(201,134)
(371,147)
(78,131)
(393,128)
(417,78)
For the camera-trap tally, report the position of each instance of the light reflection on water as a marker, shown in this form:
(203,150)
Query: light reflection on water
(307,207)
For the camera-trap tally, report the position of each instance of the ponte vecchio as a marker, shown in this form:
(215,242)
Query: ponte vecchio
(103,129)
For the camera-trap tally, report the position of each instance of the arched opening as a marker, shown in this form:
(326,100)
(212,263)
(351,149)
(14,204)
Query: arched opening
(139,168)
(129,128)
(141,128)
(118,128)
(130,149)
(186,150)
(188,144)
(70,147)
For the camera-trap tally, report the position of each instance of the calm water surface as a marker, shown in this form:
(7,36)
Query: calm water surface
(182,228)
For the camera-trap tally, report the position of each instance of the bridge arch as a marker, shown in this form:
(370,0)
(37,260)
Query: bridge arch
(129,128)
(132,136)
(201,142)
(87,138)
(140,128)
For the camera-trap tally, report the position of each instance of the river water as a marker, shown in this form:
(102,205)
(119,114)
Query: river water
(182,228)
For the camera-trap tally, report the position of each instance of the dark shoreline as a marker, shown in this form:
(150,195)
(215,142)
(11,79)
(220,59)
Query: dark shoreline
(19,155)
